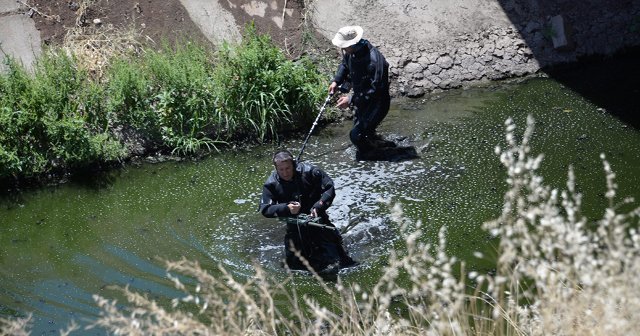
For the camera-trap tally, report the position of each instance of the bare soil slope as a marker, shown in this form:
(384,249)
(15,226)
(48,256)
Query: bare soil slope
(168,19)
(153,18)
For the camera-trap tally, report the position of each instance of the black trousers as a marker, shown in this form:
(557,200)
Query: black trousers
(320,247)
(367,117)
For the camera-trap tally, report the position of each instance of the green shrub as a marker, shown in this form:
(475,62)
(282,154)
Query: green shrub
(92,107)
(45,126)
(71,143)
(183,98)
(177,98)
(13,84)
(54,88)
(259,91)
(127,97)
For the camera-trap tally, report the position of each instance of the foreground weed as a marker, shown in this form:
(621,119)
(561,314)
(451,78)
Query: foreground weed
(556,275)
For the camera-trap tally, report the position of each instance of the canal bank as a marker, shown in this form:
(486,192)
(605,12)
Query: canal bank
(431,46)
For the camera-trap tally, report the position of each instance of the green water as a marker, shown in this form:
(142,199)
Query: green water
(59,245)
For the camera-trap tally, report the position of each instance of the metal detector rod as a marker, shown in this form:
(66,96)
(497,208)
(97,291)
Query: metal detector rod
(322,226)
(315,122)
(306,221)
(315,224)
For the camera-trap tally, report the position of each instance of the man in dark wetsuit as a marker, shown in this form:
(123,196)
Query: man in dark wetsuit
(293,189)
(367,71)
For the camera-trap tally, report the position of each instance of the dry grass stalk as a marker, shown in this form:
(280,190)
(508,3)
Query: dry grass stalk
(95,47)
(15,327)
(81,12)
(577,279)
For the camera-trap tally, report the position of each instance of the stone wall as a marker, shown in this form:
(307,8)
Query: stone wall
(503,52)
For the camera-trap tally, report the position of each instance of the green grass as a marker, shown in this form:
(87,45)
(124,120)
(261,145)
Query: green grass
(259,91)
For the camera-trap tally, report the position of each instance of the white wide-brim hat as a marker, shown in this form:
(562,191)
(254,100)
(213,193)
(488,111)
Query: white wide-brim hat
(347,36)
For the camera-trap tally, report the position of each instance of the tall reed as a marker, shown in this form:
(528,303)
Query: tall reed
(259,92)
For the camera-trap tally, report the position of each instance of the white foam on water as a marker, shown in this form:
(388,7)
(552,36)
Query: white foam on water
(363,192)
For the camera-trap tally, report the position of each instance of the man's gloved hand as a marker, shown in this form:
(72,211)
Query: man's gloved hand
(317,209)
(294,207)
(343,102)
(332,87)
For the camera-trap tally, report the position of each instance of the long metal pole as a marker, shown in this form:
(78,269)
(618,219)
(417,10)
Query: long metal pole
(315,122)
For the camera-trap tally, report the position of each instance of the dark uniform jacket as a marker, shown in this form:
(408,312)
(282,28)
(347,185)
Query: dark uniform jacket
(367,71)
(311,186)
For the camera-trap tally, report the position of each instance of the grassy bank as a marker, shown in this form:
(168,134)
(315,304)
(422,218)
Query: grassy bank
(80,108)
(557,273)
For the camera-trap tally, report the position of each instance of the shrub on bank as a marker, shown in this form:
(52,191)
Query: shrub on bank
(554,275)
(43,130)
(185,99)
(268,99)
(167,96)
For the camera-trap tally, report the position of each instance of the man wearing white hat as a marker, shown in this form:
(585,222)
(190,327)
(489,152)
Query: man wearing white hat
(366,70)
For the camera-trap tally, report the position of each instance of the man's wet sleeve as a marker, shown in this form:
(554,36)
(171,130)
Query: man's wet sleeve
(342,73)
(377,63)
(328,189)
(270,207)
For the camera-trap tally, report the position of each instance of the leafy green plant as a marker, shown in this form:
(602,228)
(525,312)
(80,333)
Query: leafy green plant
(179,98)
(259,91)
(183,101)
(183,126)
(45,130)
(127,101)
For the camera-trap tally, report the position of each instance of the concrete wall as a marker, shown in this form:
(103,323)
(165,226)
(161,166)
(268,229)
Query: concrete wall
(438,44)
(430,44)
(19,37)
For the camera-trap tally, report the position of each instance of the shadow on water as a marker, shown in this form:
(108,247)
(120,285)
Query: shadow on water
(612,83)
(94,179)
(12,191)
(391,154)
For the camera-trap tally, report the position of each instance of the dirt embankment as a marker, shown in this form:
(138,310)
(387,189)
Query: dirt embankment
(430,44)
